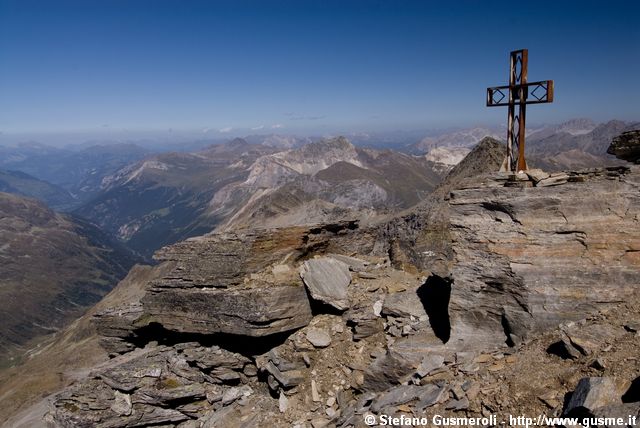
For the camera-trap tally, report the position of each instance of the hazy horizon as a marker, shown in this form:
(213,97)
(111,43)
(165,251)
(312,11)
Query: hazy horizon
(159,138)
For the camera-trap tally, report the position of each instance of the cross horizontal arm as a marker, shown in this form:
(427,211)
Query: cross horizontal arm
(532,93)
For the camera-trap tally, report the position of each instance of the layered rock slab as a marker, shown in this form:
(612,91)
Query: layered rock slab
(258,310)
(529,259)
(151,386)
(229,283)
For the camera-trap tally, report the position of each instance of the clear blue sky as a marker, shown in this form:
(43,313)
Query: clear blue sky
(306,66)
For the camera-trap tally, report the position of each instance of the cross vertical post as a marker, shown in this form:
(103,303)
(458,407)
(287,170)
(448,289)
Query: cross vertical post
(519,93)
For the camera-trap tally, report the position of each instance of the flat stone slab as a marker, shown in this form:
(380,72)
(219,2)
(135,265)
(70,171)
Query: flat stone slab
(404,304)
(327,280)
(318,338)
(395,396)
(254,311)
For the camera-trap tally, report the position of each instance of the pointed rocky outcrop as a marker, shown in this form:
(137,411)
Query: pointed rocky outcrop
(626,146)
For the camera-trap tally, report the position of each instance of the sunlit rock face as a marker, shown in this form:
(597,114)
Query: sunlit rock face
(527,259)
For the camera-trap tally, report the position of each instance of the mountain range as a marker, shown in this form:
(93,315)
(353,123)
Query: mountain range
(172,196)
(79,171)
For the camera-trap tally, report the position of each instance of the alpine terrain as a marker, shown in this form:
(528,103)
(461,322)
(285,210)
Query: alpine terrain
(495,295)
(172,196)
(53,267)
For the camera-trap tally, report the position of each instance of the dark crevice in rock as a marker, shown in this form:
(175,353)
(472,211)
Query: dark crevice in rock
(633,393)
(263,377)
(493,206)
(434,295)
(560,350)
(566,398)
(319,307)
(499,286)
(309,250)
(507,331)
(335,227)
(244,345)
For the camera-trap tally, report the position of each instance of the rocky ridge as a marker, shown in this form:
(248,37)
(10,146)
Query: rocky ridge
(542,274)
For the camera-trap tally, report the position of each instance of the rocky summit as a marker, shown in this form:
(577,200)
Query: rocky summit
(531,309)
(314,326)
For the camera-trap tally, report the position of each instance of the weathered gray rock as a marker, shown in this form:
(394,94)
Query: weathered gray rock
(211,358)
(564,348)
(430,363)
(364,322)
(396,396)
(537,175)
(430,395)
(355,264)
(619,412)
(554,179)
(404,304)
(162,397)
(283,402)
(287,379)
(234,415)
(327,280)
(387,371)
(633,327)
(219,283)
(68,415)
(626,146)
(315,395)
(529,260)
(320,422)
(121,404)
(235,393)
(154,385)
(578,340)
(116,327)
(251,311)
(318,337)
(593,393)
(457,405)
(402,359)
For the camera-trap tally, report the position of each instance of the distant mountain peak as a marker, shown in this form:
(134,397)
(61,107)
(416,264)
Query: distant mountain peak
(238,142)
(461,138)
(341,143)
(577,126)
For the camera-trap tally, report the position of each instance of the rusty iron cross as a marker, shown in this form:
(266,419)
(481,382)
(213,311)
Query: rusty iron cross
(518,94)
